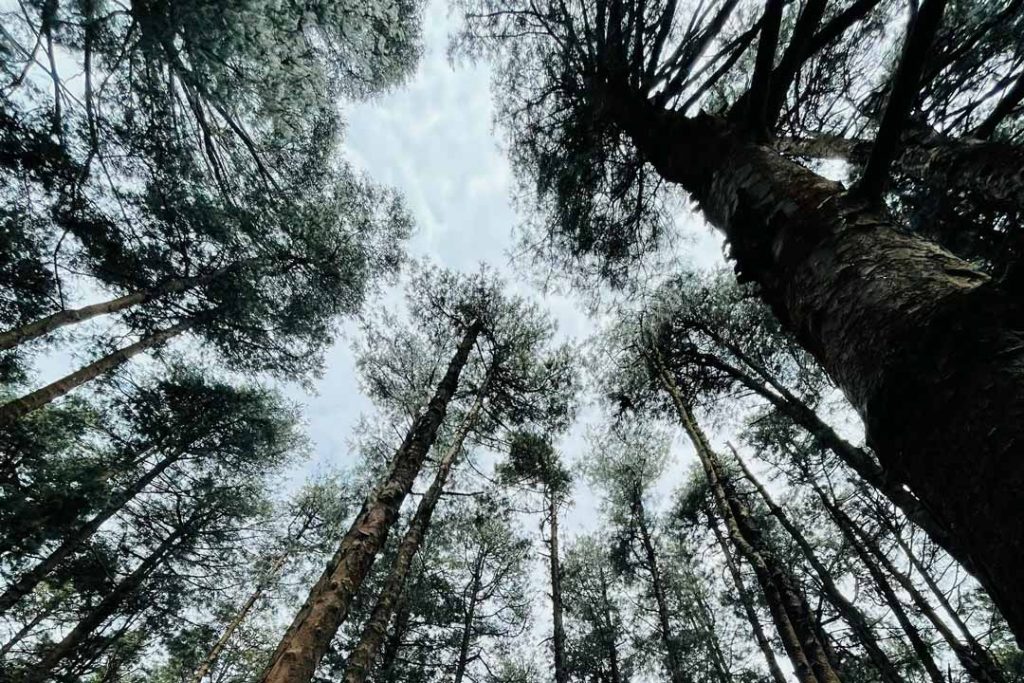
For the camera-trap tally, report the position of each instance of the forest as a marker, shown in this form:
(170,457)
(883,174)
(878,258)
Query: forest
(709,371)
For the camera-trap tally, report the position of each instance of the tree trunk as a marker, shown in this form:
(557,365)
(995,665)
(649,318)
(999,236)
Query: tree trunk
(28,581)
(393,645)
(43,326)
(660,596)
(38,617)
(925,346)
(371,640)
(214,654)
(921,648)
(12,410)
(849,612)
(992,170)
(963,654)
(467,623)
(748,604)
(609,628)
(793,619)
(558,627)
(310,634)
(103,610)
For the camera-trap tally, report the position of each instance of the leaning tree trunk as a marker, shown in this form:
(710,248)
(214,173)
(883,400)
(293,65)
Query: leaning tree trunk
(11,411)
(28,581)
(747,600)
(310,634)
(926,347)
(103,610)
(793,620)
(43,326)
(363,656)
(850,613)
(555,567)
(660,595)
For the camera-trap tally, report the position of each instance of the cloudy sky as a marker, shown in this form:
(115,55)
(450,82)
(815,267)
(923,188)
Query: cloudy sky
(434,140)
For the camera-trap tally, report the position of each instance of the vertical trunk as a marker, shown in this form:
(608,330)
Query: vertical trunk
(11,411)
(705,623)
(393,645)
(43,326)
(921,648)
(849,612)
(963,654)
(748,604)
(926,347)
(558,634)
(467,623)
(660,596)
(225,637)
(792,616)
(27,582)
(103,610)
(310,634)
(609,629)
(364,654)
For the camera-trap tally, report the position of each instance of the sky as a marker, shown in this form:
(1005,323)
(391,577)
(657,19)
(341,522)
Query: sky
(434,140)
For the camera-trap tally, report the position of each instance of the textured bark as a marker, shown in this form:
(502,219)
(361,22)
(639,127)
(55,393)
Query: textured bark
(747,600)
(849,612)
(555,568)
(363,656)
(660,596)
(11,411)
(27,582)
(104,609)
(50,323)
(927,348)
(993,171)
(793,619)
(309,636)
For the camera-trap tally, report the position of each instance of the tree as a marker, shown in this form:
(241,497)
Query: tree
(597,99)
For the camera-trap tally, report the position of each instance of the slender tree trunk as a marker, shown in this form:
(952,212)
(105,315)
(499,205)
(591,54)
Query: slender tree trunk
(371,640)
(50,323)
(705,624)
(747,601)
(554,564)
(857,459)
(793,619)
(853,616)
(925,346)
(609,628)
(104,609)
(920,647)
(393,645)
(28,581)
(467,623)
(660,596)
(11,411)
(38,617)
(963,654)
(310,634)
(225,637)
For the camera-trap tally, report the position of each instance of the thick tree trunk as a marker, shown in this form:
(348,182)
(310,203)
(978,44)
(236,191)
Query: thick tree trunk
(43,326)
(11,411)
(925,346)
(747,600)
(920,647)
(371,640)
(993,171)
(103,610)
(310,634)
(554,565)
(27,582)
(660,596)
(790,612)
(849,612)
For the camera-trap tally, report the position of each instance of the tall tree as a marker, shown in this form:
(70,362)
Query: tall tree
(913,334)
